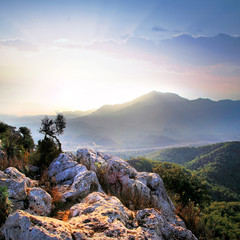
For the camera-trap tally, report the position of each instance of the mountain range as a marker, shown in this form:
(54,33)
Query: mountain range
(152,120)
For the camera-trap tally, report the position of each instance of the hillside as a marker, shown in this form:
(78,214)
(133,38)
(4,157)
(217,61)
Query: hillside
(218,163)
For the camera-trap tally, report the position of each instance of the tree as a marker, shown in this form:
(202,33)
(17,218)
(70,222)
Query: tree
(53,128)
(182,183)
(26,138)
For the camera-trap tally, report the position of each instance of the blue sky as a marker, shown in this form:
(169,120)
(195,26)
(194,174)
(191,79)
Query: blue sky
(68,55)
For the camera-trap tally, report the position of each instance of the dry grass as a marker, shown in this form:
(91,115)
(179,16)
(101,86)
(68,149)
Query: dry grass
(62,215)
(13,162)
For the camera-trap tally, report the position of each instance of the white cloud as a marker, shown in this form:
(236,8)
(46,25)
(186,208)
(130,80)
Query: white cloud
(19,44)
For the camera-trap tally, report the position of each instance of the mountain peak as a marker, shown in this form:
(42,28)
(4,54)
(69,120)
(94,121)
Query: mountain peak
(160,96)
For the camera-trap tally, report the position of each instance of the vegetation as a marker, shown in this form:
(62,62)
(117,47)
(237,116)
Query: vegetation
(49,147)
(182,184)
(211,163)
(223,218)
(5,204)
(16,145)
(46,151)
(53,128)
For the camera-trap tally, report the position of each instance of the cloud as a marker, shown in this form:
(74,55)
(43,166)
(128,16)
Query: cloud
(19,44)
(202,50)
(159,29)
(182,48)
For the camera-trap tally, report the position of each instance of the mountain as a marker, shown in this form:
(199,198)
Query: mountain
(160,119)
(152,120)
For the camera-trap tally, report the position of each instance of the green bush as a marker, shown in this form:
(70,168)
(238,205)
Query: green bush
(5,204)
(47,150)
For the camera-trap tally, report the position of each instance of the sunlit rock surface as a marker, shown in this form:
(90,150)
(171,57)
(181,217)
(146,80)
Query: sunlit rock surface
(73,179)
(23,194)
(135,190)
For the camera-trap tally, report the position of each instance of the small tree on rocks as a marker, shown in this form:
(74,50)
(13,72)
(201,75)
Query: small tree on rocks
(53,128)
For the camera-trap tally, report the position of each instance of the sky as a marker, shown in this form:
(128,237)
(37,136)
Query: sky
(58,55)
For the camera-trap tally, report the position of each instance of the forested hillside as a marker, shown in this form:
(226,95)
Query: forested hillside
(219,164)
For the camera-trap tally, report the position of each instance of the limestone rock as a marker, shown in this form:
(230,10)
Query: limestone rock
(24,226)
(154,222)
(39,202)
(15,174)
(135,190)
(73,179)
(16,186)
(98,216)
(23,194)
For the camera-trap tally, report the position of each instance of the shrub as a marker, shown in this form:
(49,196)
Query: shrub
(47,150)
(5,204)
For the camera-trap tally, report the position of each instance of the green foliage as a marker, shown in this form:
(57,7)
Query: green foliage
(142,164)
(223,218)
(210,162)
(52,128)
(46,151)
(5,205)
(16,144)
(182,184)
(26,139)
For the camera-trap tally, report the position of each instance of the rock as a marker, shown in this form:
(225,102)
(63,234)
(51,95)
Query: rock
(33,169)
(98,216)
(23,194)
(15,174)
(135,190)
(65,168)
(17,187)
(154,222)
(24,226)
(73,179)
(39,202)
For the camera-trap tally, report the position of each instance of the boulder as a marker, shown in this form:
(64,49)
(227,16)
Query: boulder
(39,201)
(154,222)
(135,190)
(17,187)
(74,181)
(15,174)
(23,194)
(24,226)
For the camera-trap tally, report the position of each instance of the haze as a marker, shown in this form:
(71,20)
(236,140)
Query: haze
(70,55)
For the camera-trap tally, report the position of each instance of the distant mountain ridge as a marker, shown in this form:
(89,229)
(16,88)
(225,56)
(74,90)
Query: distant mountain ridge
(152,120)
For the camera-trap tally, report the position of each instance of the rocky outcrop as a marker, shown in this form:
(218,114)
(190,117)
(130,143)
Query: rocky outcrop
(74,181)
(24,226)
(135,190)
(23,194)
(13,173)
(140,209)
(98,216)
